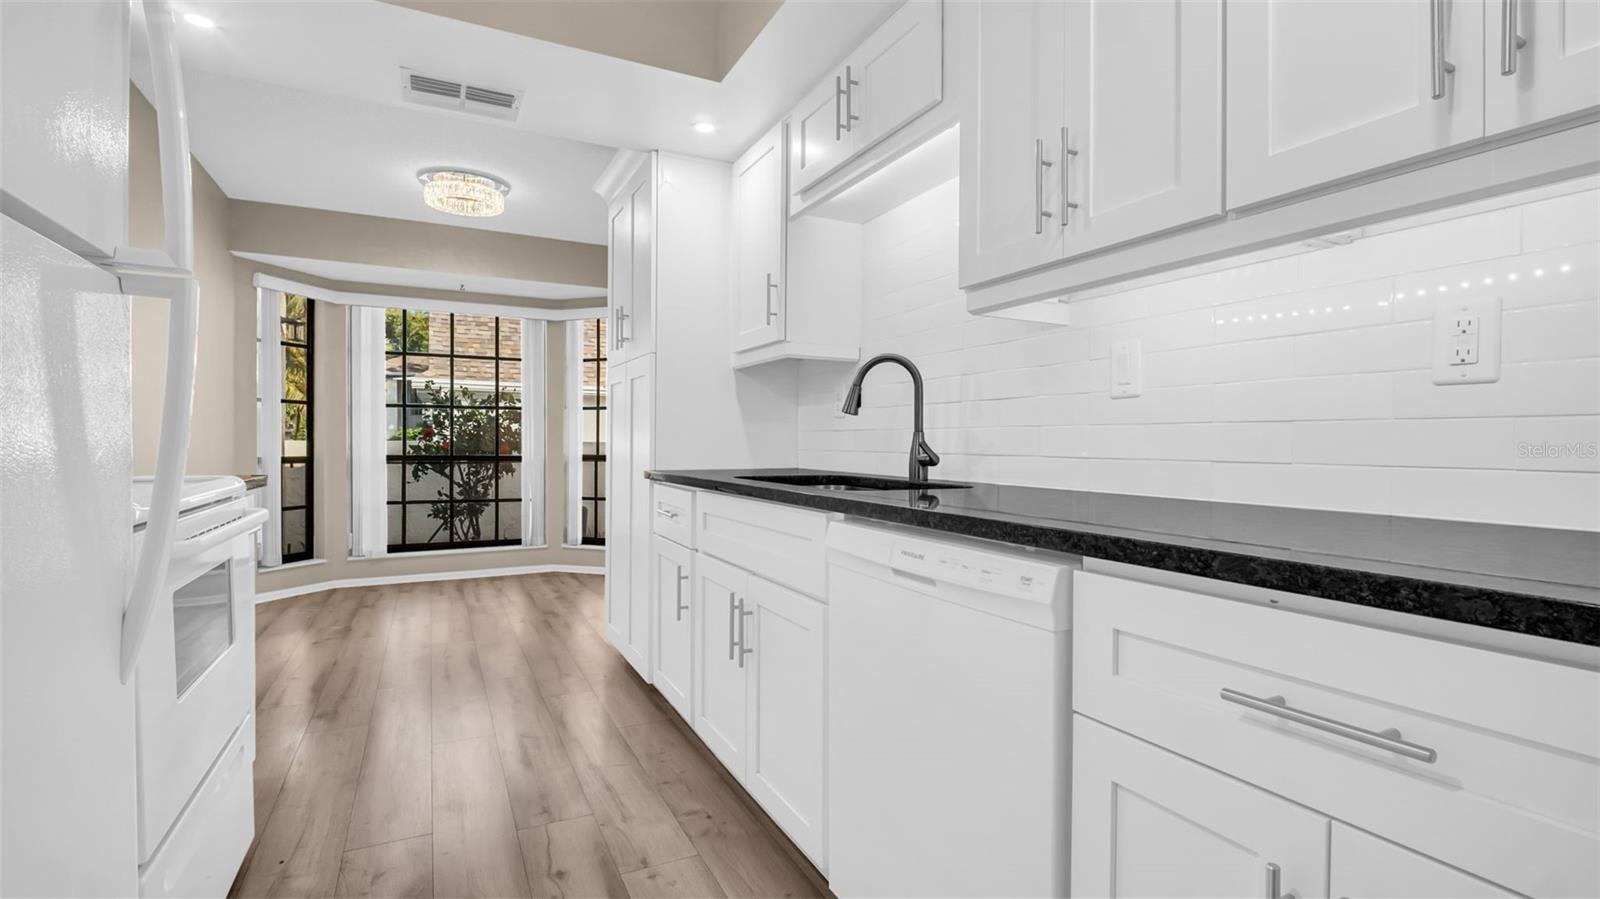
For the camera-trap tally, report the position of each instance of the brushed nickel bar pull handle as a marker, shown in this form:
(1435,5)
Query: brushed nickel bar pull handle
(772,286)
(1439,66)
(1510,40)
(744,645)
(1066,200)
(1278,707)
(668,514)
(622,326)
(850,117)
(838,97)
(1274,881)
(681,608)
(1039,165)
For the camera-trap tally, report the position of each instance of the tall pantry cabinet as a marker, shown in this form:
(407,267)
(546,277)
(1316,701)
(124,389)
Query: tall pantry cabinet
(673,399)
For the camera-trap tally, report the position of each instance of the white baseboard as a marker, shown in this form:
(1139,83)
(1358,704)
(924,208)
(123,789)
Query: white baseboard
(319,586)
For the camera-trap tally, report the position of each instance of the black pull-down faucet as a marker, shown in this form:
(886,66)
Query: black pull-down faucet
(922,455)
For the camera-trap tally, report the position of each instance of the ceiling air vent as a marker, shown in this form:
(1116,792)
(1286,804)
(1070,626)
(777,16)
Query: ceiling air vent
(443,93)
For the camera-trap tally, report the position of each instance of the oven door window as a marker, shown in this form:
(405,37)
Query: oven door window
(202,623)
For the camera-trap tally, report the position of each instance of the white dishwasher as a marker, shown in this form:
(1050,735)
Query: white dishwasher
(949,716)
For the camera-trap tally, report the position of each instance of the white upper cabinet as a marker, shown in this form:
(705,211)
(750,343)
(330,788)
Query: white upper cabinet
(1147,824)
(1011,119)
(1143,124)
(893,77)
(1326,89)
(758,238)
(1365,867)
(631,261)
(820,140)
(1543,60)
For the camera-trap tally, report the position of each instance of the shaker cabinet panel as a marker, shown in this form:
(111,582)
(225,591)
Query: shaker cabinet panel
(758,229)
(719,684)
(1365,867)
(1147,823)
(1011,108)
(1142,127)
(1320,90)
(673,572)
(897,72)
(1543,60)
(820,142)
(786,640)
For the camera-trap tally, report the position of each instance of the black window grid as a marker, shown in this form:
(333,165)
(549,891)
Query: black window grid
(592,501)
(297,333)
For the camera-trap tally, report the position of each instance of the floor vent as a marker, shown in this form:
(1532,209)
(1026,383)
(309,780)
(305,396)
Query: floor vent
(443,93)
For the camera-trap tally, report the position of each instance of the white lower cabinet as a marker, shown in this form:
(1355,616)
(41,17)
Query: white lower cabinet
(760,689)
(628,578)
(1147,823)
(719,688)
(786,647)
(673,658)
(1365,867)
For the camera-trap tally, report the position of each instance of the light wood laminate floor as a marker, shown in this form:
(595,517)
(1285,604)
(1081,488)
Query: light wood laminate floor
(481,738)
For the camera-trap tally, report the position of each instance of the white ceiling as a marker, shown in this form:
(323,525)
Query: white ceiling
(299,103)
(444,282)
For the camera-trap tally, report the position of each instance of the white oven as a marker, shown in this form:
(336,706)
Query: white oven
(195,695)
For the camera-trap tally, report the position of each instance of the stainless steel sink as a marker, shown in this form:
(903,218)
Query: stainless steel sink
(851,482)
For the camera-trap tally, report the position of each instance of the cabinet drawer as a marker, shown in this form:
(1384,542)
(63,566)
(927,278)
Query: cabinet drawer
(672,513)
(1494,768)
(783,544)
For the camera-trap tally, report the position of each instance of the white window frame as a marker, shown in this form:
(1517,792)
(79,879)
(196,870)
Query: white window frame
(269,421)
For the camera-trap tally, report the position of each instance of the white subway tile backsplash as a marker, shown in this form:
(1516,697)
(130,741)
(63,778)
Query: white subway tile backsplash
(1561,221)
(1300,381)
(1291,399)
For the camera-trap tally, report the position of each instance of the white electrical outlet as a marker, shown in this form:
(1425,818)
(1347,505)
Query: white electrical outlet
(1127,368)
(1466,341)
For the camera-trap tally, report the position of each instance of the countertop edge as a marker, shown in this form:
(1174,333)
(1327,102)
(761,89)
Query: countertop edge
(1568,621)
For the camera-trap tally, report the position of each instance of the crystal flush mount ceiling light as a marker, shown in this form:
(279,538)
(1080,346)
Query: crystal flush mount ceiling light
(461,192)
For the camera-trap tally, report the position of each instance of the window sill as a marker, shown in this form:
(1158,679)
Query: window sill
(290,566)
(430,553)
(591,546)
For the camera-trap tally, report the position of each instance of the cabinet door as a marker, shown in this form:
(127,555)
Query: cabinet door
(1011,106)
(1365,867)
(719,685)
(1556,71)
(1144,115)
(787,645)
(618,510)
(639,385)
(631,264)
(674,641)
(1319,90)
(1147,823)
(619,273)
(819,139)
(758,227)
(898,72)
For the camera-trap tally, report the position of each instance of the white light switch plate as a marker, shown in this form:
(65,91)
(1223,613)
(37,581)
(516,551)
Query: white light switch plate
(1127,368)
(1466,340)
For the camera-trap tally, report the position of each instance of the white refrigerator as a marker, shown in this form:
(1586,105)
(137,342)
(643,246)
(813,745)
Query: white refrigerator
(68,615)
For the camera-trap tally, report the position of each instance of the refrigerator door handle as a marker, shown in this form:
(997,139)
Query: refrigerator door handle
(172,131)
(177,409)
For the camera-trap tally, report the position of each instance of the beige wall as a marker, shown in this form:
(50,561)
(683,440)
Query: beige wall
(270,229)
(214,444)
(224,436)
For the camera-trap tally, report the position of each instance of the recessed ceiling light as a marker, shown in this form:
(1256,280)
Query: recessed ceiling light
(462,192)
(704,127)
(198,21)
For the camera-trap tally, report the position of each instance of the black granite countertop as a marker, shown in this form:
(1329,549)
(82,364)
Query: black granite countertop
(1539,581)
